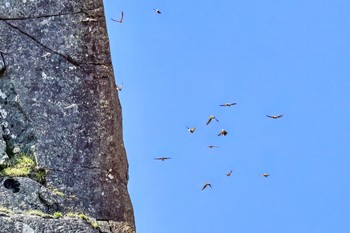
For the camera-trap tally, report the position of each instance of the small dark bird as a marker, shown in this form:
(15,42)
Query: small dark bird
(157,11)
(223,132)
(212,146)
(211,118)
(206,185)
(227,104)
(191,130)
(265,175)
(162,158)
(119,88)
(229,173)
(274,116)
(121,18)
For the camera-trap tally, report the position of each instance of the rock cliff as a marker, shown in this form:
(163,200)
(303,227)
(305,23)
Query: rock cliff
(62,161)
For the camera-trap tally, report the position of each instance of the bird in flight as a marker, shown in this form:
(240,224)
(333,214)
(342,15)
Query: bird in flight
(274,116)
(157,11)
(121,18)
(229,173)
(119,88)
(210,146)
(191,130)
(206,185)
(265,175)
(227,104)
(211,118)
(223,132)
(162,158)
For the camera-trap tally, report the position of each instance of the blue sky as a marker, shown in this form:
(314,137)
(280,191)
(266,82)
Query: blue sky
(271,57)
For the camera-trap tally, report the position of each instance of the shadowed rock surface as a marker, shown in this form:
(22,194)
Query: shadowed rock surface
(59,106)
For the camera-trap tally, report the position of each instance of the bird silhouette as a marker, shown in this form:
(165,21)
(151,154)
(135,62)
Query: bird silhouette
(119,88)
(265,175)
(157,11)
(211,118)
(191,130)
(121,18)
(227,104)
(210,146)
(162,158)
(274,116)
(229,173)
(223,132)
(206,185)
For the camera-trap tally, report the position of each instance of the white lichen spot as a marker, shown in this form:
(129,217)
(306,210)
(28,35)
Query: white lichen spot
(7,132)
(27,229)
(7,4)
(5,124)
(3,113)
(24,1)
(110,176)
(45,76)
(13,136)
(2,95)
(72,68)
(16,150)
(102,193)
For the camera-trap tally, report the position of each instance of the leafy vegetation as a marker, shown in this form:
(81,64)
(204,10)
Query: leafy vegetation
(22,165)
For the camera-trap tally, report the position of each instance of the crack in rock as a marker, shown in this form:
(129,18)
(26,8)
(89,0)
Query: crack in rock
(2,64)
(48,16)
(66,57)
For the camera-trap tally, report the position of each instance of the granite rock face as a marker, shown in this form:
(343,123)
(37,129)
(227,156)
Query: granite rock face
(59,104)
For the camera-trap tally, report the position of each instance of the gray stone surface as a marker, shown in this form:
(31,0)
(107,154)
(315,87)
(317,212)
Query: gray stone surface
(59,101)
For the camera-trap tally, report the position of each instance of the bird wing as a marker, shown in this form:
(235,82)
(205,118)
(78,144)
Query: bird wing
(122,16)
(220,134)
(204,187)
(114,20)
(209,185)
(209,120)
(269,116)
(279,116)
(216,119)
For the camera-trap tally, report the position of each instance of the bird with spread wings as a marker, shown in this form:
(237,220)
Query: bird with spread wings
(121,18)
(274,116)
(206,185)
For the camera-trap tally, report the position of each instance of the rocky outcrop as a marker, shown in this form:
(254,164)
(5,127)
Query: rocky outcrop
(61,142)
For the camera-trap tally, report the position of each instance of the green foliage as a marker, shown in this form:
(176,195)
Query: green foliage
(86,218)
(23,165)
(5,210)
(20,165)
(40,175)
(58,215)
(39,213)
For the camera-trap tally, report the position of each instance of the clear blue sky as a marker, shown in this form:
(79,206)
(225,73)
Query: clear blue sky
(271,57)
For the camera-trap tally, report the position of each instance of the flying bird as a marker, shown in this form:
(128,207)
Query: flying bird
(119,88)
(227,104)
(206,185)
(223,132)
(191,130)
(121,18)
(162,158)
(211,118)
(274,116)
(265,175)
(212,146)
(229,173)
(157,11)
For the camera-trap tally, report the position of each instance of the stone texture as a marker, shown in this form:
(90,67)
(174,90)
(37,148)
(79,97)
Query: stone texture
(59,103)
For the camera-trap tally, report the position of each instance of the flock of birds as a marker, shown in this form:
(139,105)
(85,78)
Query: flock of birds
(223,132)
